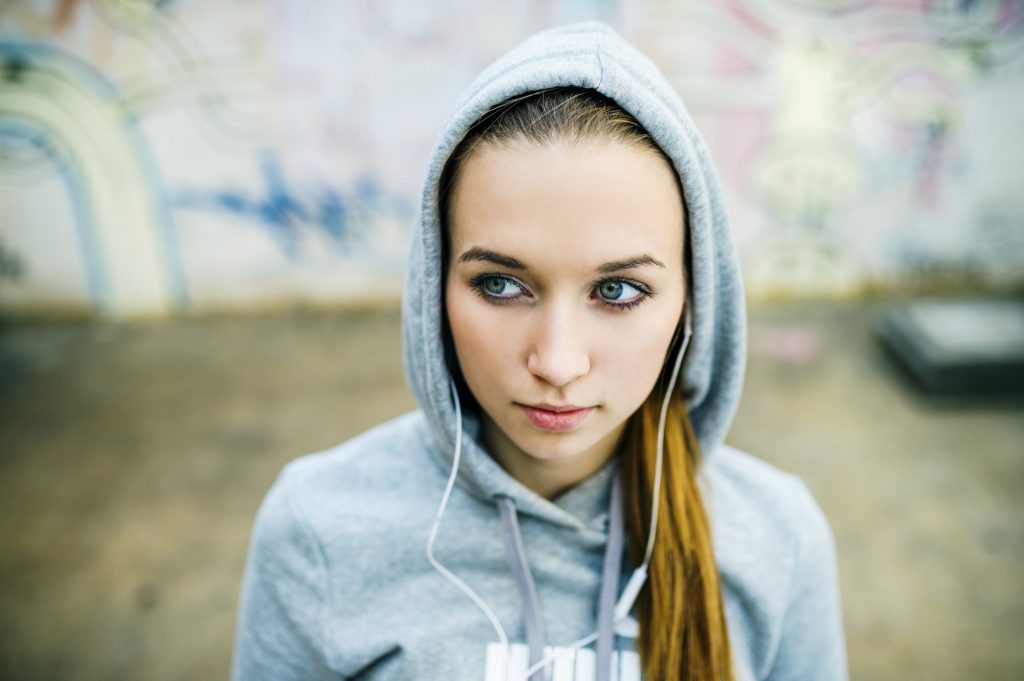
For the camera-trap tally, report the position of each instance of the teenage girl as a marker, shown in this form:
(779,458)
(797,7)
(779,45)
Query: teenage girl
(562,506)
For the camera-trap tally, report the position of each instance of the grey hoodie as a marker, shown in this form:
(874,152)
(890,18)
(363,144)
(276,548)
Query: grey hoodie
(337,584)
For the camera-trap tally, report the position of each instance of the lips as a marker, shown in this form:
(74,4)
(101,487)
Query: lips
(556,419)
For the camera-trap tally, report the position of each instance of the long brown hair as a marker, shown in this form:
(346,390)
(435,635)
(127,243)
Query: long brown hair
(683,632)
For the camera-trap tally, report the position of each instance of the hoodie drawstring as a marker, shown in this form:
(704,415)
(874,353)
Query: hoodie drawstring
(524,582)
(610,576)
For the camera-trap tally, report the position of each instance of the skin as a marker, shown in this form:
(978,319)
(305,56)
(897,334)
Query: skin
(544,329)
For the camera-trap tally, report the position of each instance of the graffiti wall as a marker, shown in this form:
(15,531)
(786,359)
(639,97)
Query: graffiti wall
(161,156)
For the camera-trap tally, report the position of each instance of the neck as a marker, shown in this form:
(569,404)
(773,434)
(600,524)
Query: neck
(548,477)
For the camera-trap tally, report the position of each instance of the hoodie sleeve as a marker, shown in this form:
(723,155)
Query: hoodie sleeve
(281,632)
(812,646)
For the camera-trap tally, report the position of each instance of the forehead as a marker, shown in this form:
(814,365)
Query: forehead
(563,204)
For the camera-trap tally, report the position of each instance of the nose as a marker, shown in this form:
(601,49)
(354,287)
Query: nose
(558,352)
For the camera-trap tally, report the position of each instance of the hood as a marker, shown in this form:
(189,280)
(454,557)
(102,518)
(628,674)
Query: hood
(589,55)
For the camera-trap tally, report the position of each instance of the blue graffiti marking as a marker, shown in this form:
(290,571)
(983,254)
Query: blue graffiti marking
(343,216)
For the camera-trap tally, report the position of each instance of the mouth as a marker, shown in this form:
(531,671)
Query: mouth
(555,418)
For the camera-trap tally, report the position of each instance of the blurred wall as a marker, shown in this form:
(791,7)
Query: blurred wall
(161,156)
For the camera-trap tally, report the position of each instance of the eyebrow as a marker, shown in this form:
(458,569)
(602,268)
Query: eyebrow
(630,263)
(477,254)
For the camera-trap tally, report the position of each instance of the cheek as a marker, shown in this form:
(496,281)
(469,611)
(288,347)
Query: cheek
(480,345)
(635,361)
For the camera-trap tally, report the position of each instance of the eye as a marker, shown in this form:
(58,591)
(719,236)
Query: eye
(497,287)
(615,291)
(621,295)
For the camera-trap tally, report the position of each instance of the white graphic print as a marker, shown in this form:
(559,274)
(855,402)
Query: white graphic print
(570,664)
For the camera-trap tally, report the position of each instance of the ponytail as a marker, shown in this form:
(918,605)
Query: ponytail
(683,633)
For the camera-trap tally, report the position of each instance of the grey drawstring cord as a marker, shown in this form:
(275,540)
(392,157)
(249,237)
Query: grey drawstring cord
(610,575)
(524,582)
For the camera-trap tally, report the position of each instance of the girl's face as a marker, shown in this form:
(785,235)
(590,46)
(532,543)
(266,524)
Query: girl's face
(563,292)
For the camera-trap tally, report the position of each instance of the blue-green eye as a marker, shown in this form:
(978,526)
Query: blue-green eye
(620,295)
(617,291)
(495,286)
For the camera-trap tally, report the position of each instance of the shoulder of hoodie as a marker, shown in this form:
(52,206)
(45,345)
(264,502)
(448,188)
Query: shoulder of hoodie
(752,493)
(385,472)
(771,538)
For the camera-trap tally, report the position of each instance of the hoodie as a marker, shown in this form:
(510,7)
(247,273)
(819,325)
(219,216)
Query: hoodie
(338,584)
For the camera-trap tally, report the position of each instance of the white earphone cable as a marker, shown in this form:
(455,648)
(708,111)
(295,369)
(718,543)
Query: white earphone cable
(659,459)
(448,574)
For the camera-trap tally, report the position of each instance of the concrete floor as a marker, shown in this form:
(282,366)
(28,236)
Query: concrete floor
(132,460)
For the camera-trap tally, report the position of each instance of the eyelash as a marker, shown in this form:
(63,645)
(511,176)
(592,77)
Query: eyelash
(477,284)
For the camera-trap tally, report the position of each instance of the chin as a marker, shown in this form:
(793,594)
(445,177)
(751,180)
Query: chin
(555,446)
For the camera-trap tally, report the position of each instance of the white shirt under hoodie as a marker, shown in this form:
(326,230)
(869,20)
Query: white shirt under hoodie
(338,585)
